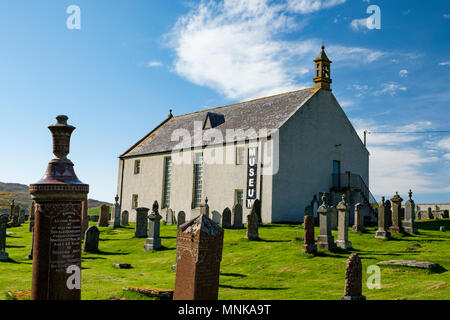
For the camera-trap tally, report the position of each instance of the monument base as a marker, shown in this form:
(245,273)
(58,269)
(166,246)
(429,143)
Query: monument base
(325,243)
(352,298)
(4,256)
(397,230)
(152,244)
(309,248)
(382,234)
(343,244)
(358,228)
(410,227)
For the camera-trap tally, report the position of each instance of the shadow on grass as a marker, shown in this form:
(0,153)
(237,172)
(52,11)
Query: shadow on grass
(267,240)
(15,246)
(433,225)
(250,288)
(279,225)
(12,261)
(105,253)
(165,249)
(168,237)
(92,258)
(233,275)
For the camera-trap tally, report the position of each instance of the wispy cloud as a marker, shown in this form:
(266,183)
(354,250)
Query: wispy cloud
(391,88)
(154,64)
(403,73)
(359,24)
(445,63)
(232,46)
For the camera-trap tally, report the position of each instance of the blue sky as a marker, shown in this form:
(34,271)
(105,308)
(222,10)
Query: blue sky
(131,61)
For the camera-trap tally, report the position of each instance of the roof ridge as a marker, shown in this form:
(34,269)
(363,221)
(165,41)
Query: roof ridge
(242,102)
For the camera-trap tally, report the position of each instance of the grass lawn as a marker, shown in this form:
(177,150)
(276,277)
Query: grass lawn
(273,268)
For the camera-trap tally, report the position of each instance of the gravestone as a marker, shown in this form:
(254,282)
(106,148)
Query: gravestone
(32,208)
(334,218)
(181,218)
(199,253)
(216,217)
(3,222)
(236,217)
(388,214)
(170,217)
(325,240)
(252,222)
(91,239)
(57,246)
(343,224)
(226,218)
(409,223)
(154,240)
(442,229)
(309,211)
(382,232)
(12,207)
(32,214)
(141,223)
(21,216)
(309,245)
(359,218)
(429,214)
(116,211)
(124,221)
(353,279)
(257,209)
(396,220)
(104,216)
(15,216)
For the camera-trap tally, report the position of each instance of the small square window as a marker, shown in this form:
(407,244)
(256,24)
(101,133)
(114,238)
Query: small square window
(137,166)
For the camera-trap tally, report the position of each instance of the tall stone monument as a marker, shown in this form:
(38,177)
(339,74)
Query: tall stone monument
(309,246)
(236,217)
(141,222)
(383,213)
(116,211)
(397,226)
(353,279)
(154,240)
(104,216)
(199,253)
(343,219)
(252,222)
(226,218)
(359,218)
(410,215)
(57,246)
(3,222)
(325,240)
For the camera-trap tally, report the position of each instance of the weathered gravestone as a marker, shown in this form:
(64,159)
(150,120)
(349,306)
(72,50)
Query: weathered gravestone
(429,215)
(396,220)
(309,245)
(91,239)
(3,222)
(309,211)
(343,217)
(226,218)
(334,217)
(359,218)
(141,222)
(12,207)
(15,216)
(325,240)
(199,253)
(30,255)
(409,223)
(236,217)
(383,212)
(21,216)
(170,217)
(32,214)
(124,221)
(252,222)
(154,240)
(57,246)
(104,216)
(216,217)
(181,218)
(353,279)
(116,212)
(32,208)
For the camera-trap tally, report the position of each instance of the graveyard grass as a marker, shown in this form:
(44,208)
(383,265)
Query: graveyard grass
(272,268)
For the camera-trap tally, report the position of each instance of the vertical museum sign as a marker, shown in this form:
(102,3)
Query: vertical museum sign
(252,168)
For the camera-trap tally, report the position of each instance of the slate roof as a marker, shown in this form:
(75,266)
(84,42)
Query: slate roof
(265,113)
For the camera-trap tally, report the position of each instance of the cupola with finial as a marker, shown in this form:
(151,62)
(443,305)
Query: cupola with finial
(322,77)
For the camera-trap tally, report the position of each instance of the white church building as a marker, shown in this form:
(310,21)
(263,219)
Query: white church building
(284,150)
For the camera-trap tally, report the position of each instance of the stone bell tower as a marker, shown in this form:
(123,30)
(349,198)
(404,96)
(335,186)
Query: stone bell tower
(322,77)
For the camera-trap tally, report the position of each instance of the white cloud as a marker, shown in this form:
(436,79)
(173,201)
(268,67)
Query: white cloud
(445,63)
(359,24)
(308,6)
(444,144)
(391,88)
(232,47)
(403,73)
(153,64)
